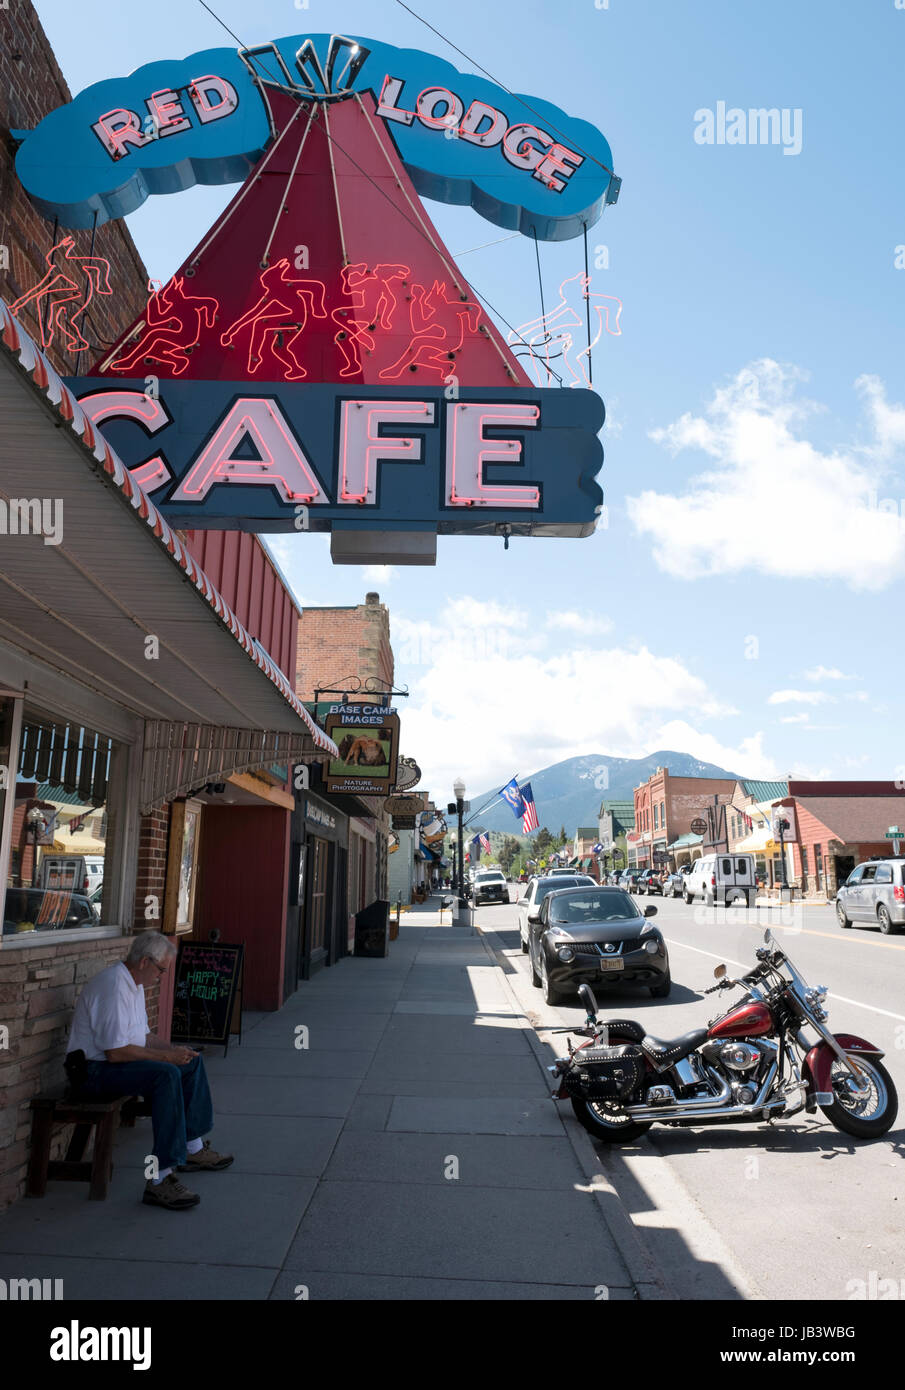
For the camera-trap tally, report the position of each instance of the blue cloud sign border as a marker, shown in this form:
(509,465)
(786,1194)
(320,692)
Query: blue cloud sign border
(211,135)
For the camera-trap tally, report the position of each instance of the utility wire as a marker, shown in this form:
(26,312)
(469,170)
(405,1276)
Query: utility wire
(293,92)
(474,62)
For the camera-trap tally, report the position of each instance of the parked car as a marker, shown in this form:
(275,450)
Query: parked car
(722,878)
(874,892)
(649,882)
(46,909)
(674,887)
(537,890)
(596,936)
(628,877)
(490,886)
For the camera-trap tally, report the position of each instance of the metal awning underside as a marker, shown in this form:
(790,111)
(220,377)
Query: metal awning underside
(90,605)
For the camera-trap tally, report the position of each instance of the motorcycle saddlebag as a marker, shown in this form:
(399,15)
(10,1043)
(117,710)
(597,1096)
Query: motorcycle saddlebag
(605,1073)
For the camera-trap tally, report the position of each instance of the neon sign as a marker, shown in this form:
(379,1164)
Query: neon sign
(520,162)
(63,286)
(235,456)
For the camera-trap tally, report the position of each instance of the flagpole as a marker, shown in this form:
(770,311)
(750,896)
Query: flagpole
(489,802)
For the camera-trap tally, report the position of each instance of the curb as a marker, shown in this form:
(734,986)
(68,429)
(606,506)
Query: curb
(648,1277)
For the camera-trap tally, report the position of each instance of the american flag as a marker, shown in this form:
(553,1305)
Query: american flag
(485,843)
(529,814)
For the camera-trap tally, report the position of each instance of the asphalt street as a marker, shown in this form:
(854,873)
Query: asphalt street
(801,1210)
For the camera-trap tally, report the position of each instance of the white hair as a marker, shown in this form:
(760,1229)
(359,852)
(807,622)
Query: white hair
(150,945)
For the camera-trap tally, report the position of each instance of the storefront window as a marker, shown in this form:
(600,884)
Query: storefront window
(58,838)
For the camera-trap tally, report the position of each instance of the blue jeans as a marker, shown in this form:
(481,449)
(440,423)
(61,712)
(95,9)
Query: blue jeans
(180,1099)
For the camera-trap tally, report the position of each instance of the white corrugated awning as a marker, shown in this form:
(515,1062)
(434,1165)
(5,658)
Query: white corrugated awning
(119,605)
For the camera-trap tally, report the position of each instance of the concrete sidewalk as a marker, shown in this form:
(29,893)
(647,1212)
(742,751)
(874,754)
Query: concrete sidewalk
(410,1151)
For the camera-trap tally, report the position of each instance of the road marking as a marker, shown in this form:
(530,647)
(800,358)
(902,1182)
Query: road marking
(840,997)
(811,931)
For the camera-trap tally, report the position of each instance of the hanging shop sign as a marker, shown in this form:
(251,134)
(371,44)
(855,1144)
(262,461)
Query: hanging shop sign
(520,161)
(367,737)
(408,774)
(232,455)
(405,811)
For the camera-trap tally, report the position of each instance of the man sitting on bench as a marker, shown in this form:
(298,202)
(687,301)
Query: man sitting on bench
(110,1027)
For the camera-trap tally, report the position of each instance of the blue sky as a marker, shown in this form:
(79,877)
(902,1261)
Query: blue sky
(739,605)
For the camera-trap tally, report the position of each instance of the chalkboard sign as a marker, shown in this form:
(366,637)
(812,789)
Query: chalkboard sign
(207,979)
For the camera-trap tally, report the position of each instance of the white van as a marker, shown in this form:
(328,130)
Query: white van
(722,878)
(79,873)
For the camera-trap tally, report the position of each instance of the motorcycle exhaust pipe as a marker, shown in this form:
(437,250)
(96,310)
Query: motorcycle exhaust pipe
(709,1107)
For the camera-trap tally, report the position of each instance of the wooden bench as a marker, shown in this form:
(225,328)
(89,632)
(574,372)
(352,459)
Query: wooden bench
(101,1116)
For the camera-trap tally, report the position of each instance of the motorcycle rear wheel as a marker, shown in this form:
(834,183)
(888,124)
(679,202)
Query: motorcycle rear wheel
(600,1123)
(884,1109)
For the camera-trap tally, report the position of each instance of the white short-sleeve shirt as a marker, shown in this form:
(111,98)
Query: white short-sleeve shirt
(110,1012)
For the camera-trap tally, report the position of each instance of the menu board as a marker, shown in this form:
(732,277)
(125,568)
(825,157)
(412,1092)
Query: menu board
(207,978)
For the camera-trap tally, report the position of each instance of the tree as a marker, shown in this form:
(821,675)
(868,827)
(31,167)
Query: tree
(563,837)
(508,851)
(542,843)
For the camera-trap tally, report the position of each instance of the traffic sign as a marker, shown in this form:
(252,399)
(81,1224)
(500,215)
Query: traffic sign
(894,833)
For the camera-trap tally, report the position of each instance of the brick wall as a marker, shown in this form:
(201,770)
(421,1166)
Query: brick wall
(38,990)
(153,838)
(31,85)
(337,643)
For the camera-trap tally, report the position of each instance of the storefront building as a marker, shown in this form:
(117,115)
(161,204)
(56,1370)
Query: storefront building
(838,825)
(129,684)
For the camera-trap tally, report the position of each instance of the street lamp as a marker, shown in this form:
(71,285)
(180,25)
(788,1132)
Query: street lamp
(36,823)
(459,794)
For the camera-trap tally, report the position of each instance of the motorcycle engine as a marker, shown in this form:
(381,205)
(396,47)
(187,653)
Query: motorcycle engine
(739,1056)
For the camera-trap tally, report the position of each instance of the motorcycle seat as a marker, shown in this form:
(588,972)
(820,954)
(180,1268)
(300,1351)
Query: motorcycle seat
(666,1052)
(621,1029)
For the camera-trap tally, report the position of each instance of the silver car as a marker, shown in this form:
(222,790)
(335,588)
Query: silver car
(874,892)
(529,904)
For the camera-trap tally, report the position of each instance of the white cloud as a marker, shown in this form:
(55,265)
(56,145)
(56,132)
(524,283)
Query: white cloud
(801,697)
(887,421)
(773,501)
(826,673)
(795,719)
(489,713)
(748,758)
(581,623)
(379,574)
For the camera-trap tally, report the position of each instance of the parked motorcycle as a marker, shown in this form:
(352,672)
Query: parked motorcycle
(752,1063)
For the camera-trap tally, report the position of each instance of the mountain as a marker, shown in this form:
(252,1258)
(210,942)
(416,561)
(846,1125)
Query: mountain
(569,793)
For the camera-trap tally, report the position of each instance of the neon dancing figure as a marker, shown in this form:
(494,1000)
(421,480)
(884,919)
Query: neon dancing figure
(439,325)
(173,324)
(373,305)
(87,276)
(280,314)
(554,330)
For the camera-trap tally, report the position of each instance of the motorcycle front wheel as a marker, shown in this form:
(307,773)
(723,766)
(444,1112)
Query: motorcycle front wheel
(609,1125)
(866,1115)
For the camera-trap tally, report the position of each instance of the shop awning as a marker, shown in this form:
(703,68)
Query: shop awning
(686,841)
(757,842)
(116,602)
